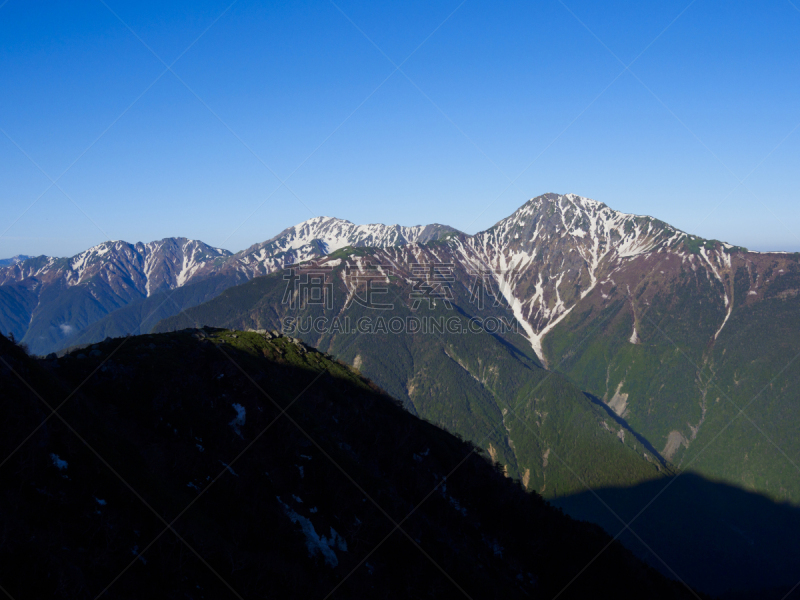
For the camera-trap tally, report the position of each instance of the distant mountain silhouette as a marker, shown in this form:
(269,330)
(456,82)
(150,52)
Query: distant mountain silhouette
(5,262)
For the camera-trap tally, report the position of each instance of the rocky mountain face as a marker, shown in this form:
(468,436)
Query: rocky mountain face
(211,463)
(47,302)
(322,235)
(143,268)
(556,250)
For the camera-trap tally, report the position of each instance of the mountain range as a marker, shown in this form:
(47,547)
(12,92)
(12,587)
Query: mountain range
(550,247)
(48,302)
(639,355)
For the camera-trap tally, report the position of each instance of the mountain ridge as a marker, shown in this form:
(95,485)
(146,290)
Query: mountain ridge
(115,274)
(545,257)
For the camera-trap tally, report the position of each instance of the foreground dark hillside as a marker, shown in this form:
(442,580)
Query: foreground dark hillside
(282,473)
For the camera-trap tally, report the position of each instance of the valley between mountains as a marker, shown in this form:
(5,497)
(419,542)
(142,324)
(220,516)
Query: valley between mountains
(645,373)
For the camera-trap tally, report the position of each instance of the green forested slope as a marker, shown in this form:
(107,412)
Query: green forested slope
(683,387)
(488,388)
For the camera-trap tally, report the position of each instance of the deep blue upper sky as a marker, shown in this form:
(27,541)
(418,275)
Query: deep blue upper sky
(534,93)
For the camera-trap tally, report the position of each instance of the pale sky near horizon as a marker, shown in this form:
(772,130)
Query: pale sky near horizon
(273,114)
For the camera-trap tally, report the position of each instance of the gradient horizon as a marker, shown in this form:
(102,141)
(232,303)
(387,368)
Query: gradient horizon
(535,94)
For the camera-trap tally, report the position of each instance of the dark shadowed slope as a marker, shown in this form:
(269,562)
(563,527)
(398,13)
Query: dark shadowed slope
(750,541)
(284,472)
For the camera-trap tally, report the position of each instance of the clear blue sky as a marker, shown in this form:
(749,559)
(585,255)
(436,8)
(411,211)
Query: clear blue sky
(501,91)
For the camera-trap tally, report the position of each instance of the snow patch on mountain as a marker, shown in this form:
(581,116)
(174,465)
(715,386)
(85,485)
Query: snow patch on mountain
(554,249)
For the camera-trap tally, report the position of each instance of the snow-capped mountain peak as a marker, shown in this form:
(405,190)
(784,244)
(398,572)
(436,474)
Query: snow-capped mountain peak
(146,268)
(555,249)
(554,216)
(335,234)
(319,236)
